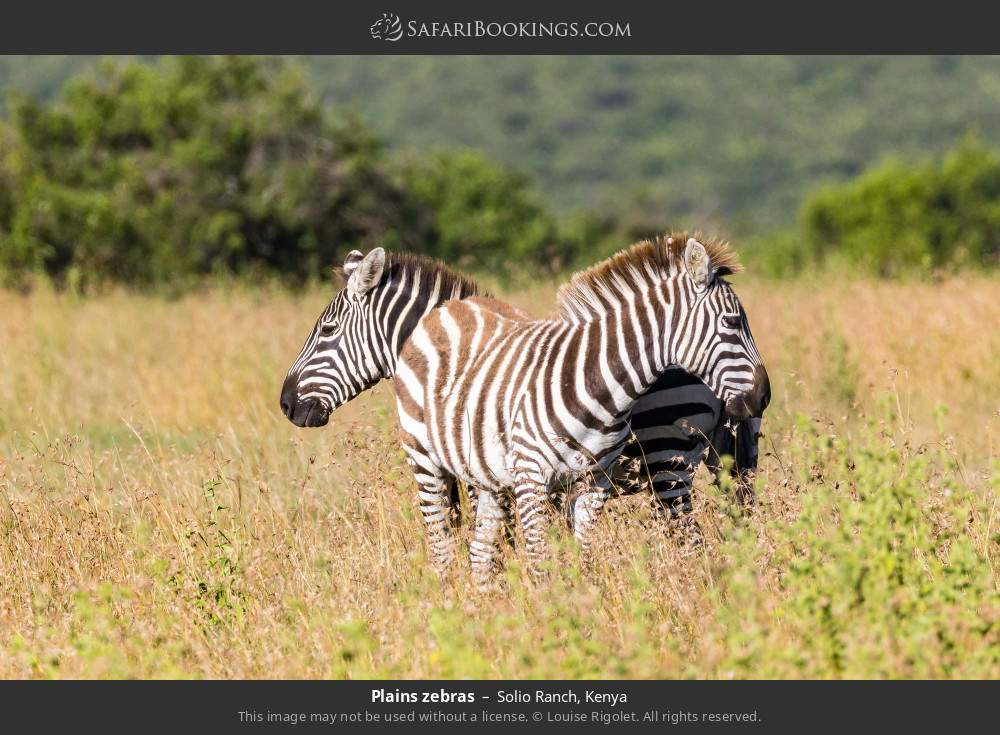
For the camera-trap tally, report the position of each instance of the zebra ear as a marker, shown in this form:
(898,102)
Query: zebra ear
(351,262)
(366,273)
(698,264)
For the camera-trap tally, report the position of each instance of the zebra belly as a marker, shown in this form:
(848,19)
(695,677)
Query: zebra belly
(559,461)
(493,474)
(489,469)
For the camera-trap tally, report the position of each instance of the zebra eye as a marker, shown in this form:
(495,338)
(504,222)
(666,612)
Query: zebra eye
(732,321)
(327,329)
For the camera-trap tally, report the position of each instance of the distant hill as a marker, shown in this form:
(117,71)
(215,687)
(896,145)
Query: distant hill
(736,140)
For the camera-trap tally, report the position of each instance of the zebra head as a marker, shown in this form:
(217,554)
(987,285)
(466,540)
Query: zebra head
(343,354)
(356,340)
(713,341)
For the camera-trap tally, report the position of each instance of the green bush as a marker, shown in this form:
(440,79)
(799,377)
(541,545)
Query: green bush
(166,173)
(484,214)
(899,217)
(883,568)
(196,166)
(6,182)
(778,255)
(597,232)
(146,174)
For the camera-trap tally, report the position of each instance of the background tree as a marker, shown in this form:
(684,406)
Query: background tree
(899,217)
(165,171)
(484,214)
(142,174)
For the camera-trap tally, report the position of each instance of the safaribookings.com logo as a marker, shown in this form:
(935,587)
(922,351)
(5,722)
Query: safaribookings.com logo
(387,28)
(390,28)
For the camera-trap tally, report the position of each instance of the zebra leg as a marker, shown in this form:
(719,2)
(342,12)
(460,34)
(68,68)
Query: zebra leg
(672,487)
(491,517)
(529,499)
(435,505)
(673,491)
(586,510)
(436,490)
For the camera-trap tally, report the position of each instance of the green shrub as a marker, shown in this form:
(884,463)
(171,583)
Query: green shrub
(596,233)
(899,217)
(883,569)
(199,166)
(484,214)
(144,174)
(781,254)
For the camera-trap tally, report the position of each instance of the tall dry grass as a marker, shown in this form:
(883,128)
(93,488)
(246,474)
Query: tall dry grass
(160,518)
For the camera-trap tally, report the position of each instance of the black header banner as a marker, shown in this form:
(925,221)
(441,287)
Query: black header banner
(451,27)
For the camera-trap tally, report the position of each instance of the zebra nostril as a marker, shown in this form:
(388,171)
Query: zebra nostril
(289,398)
(289,395)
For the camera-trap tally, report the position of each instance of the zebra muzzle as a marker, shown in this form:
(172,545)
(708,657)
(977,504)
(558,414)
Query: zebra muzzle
(303,413)
(309,413)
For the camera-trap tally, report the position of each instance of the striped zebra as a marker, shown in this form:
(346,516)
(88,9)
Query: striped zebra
(675,426)
(500,401)
(357,338)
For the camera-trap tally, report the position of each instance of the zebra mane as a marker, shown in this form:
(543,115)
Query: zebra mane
(589,292)
(452,282)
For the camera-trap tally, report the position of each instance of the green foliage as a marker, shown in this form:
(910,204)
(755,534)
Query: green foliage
(595,234)
(733,140)
(146,174)
(213,588)
(883,573)
(198,166)
(145,171)
(841,379)
(778,255)
(484,214)
(7,182)
(727,141)
(897,217)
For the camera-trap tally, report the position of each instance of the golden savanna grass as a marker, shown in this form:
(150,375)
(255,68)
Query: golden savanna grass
(160,518)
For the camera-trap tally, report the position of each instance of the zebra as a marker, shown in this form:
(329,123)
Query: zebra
(500,401)
(675,426)
(358,336)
